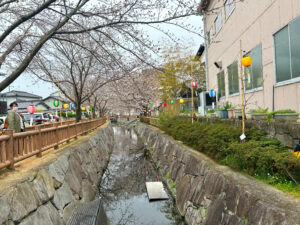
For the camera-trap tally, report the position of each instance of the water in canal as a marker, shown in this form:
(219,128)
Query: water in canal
(123,189)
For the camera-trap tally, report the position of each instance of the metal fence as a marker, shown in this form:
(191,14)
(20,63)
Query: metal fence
(15,147)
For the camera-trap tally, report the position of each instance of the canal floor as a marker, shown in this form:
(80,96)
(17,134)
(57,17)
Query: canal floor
(123,189)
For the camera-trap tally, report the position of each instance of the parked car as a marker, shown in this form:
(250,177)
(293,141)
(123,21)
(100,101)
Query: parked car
(51,118)
(2,121)
(37,118)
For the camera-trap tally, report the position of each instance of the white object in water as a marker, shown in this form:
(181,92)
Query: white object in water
(156,191)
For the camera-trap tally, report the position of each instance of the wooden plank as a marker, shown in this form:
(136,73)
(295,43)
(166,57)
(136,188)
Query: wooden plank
(3,151)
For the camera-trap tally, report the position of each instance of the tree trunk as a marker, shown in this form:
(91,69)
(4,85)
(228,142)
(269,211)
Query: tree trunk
(78,112)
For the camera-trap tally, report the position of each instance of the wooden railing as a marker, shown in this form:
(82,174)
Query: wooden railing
(48,125)
(15,147)
(131,117)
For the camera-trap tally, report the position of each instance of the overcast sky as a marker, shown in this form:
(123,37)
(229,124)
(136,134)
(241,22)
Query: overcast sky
(29,83)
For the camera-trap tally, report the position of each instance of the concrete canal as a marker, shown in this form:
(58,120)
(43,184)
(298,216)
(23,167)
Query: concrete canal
(123,190)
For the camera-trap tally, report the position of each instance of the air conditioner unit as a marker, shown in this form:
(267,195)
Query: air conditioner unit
(206,102)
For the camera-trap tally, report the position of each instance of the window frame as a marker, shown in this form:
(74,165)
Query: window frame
(218,74)
(292,80)
(221,22)
(210,35)
(226,18)
(238,80)
(244,80)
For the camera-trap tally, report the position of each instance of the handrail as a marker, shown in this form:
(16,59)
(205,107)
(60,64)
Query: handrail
(46,125)
(15,147)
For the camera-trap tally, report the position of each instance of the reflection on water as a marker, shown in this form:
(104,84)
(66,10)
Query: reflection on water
(123,187)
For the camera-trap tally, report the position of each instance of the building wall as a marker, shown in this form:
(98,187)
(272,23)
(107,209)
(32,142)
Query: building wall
(41,108)
(254,22)
(49,102)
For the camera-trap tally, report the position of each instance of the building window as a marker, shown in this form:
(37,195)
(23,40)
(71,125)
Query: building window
(233,78)
(229,7)
(287,52)
(221,84)
(218,22)
(253,73)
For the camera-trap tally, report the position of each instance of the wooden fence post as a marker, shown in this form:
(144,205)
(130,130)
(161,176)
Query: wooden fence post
(68,132)
(39,144)
(10,149)
(56,136)
(76,132)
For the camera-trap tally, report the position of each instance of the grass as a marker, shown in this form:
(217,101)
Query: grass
(186,111)
(288,187)
(245,220)
(169,176)
(172,186)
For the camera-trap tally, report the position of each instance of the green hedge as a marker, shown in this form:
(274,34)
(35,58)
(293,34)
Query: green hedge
(145,119)
(260,156)
(70,114)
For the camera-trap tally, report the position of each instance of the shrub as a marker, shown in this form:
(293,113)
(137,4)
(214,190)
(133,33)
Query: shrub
(69,114)
(260,156)
(210,111)
(260,110)
(86,115)
(204,137)
(228,106)
(145,120)
(271,114)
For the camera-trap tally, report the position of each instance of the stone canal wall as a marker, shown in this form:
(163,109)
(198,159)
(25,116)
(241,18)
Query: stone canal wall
(210,194)
(49,196)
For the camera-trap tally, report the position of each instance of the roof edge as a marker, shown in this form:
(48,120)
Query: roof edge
(203,5)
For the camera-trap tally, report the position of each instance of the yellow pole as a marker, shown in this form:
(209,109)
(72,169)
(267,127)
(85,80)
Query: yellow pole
(242,90)
(60,105)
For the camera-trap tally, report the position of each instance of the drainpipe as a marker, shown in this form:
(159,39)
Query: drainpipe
(273,99)
(206,59)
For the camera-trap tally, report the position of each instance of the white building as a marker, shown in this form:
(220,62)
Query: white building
(269,31)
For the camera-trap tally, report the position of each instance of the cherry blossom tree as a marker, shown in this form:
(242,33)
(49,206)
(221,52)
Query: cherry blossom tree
(131,94)
(77,71)
(27,26)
